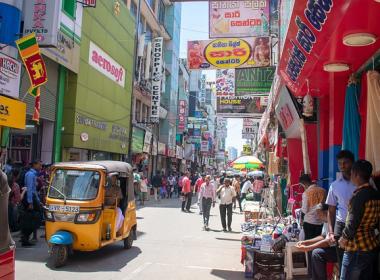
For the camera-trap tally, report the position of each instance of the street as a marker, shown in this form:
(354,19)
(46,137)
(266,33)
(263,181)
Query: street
(170,245)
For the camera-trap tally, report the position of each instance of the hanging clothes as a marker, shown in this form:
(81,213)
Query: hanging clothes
(351,122)
(372,152)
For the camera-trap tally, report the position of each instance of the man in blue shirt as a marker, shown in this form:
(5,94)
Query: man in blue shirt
(32,203)
(338,198)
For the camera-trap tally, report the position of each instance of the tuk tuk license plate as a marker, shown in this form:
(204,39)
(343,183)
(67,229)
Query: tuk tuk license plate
(64,208)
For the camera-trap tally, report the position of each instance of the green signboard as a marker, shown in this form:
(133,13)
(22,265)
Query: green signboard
(253,81)
(137,140)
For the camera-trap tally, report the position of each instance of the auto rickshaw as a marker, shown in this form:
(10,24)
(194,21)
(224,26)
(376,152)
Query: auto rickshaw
(79,215)
(7,245)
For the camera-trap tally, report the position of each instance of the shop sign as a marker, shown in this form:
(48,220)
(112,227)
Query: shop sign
(83,120)
(89,3)
(238,18)
(12,113)
(154,147)
(247,150)
(181,116)
(171,152)
(241,106)
(204,146)
(250,128)
(147,141)
(106,65)
(66,53)
(137,140)
(161,149)
(225,82)
(287,115)
(229,53)
(119,133)
(311,26)
(42,17)
(157,75)
(179,152)
(10,73)
(220,155)
(257,81)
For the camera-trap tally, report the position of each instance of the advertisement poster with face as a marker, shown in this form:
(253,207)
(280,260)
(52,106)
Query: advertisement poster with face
(229,53)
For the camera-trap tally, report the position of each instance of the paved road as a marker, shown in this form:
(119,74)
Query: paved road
(170,245)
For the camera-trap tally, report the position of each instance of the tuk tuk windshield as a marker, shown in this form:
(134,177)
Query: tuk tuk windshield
(74,184)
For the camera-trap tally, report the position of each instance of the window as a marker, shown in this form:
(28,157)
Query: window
(148,33)
(69,7)
(133,9)
(161,12)
(138,110)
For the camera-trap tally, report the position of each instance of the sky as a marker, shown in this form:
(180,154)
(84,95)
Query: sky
(194,26)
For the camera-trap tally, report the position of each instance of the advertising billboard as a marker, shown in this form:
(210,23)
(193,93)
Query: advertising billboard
(238,18)
(241,106)
(225,82)
(10,73)
(229,53)
(257,81)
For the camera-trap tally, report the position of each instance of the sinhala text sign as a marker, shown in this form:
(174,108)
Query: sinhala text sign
(238,18)
(228,53)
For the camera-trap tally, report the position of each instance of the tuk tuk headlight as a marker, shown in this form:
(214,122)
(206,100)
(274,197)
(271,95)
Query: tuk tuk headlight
(87,218)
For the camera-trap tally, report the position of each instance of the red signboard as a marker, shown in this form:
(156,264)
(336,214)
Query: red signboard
(181,116)
(89,3)
(311,26)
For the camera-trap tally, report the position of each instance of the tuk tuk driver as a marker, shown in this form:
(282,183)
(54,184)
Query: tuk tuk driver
(113,196)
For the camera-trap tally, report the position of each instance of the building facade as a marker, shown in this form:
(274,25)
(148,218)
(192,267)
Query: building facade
(97,103)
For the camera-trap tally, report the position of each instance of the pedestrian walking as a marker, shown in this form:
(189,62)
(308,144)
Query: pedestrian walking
(30,217)
(206,199)
(15,196)
(197,189)
(226,194)
(187,193)
(172,182)
(156,183)
(236,185)
(179,183)
(143,189)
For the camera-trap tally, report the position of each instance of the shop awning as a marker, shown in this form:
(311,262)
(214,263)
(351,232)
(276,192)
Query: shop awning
(315,38)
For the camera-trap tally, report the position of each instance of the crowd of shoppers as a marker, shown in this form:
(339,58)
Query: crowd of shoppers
(28,184)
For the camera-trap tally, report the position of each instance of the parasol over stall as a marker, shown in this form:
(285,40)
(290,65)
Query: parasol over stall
(247,162)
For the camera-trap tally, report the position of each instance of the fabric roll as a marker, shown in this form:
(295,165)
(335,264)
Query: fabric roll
(351,122)
(372,152)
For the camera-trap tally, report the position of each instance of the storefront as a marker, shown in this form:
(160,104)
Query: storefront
(161,157)
(36,141)
(329,67)
(97,104)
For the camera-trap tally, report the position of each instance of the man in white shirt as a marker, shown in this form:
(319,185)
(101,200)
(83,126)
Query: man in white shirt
(226,194)
(247,188)
(338,198)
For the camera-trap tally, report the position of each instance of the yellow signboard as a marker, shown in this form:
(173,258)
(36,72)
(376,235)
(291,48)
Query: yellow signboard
(228,53)
(247,150)
(12,113)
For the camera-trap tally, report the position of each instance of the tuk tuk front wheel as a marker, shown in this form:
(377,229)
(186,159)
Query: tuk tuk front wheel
(59,255)
(128,241)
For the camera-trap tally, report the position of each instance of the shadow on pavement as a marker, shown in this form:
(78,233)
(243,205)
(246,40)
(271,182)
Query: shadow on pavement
(228,274)
(227,239)
(110,258)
